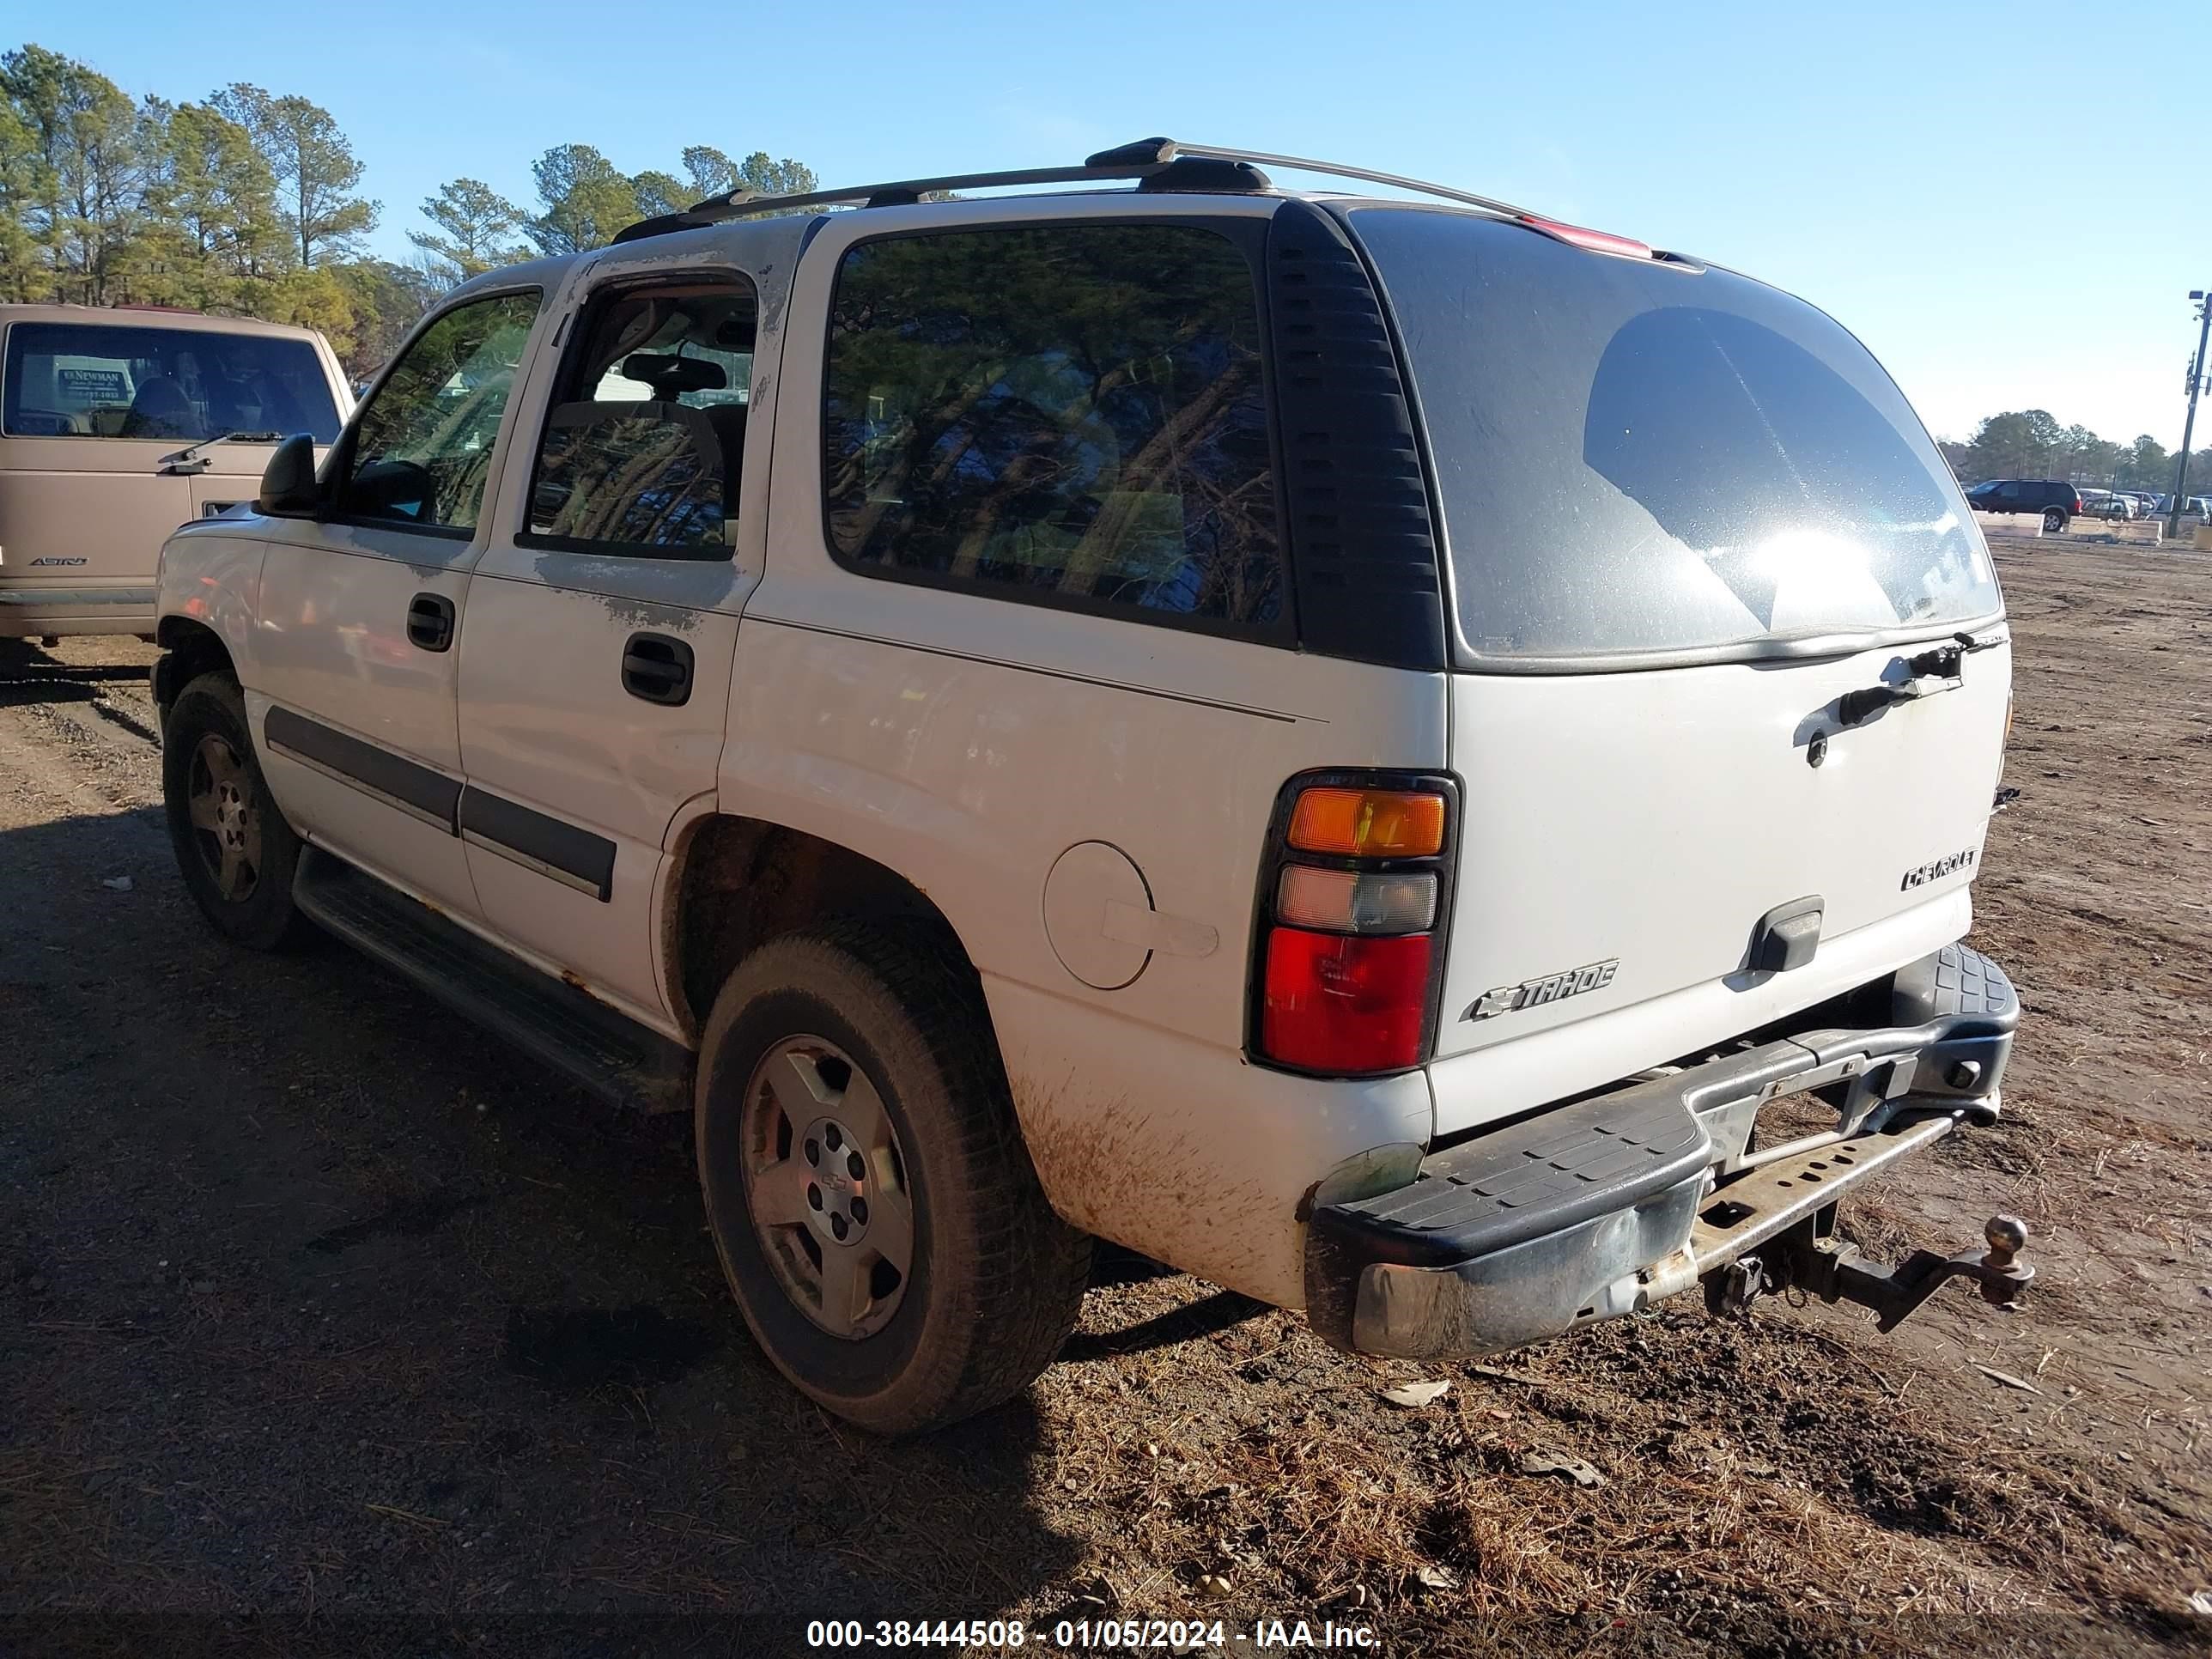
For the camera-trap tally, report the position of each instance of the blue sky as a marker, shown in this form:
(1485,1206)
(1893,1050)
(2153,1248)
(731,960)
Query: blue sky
(1969,187)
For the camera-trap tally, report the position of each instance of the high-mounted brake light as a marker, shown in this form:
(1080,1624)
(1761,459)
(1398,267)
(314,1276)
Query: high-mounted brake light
(1347,951)
(1368,822)
(1597,241)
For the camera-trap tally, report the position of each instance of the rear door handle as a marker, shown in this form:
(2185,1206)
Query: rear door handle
(657,669)
(430,621)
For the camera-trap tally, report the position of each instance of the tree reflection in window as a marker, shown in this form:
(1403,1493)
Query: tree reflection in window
(1073,411)
(423,445)
(642,476)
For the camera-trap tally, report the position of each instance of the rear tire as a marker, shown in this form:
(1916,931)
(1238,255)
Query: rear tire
(2053,519)
(867,1186)
(234,848)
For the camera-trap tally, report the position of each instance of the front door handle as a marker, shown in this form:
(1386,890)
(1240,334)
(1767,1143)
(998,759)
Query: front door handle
(430,621)
(657,669)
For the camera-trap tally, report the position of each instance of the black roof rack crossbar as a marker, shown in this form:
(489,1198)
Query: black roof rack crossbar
(1143,160)
(741,203)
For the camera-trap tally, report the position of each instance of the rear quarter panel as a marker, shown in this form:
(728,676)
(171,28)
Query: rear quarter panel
(968,742)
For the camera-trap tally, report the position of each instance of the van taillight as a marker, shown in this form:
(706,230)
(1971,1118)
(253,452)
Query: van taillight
(1354,897)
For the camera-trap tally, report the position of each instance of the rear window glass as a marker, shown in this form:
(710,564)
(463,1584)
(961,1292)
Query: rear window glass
(1635,456)
(115,380)
(1069,414)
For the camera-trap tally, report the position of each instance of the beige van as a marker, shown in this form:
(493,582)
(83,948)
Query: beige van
(119,424)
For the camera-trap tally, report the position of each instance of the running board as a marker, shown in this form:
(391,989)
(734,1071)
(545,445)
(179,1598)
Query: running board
(605,1051)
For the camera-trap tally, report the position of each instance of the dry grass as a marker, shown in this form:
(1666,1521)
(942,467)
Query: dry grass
(1766,1474)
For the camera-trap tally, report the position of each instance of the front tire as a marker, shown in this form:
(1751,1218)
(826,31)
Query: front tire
(235,849)
(875,1212)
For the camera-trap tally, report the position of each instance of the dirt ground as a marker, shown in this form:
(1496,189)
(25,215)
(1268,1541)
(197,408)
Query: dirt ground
(327,1324)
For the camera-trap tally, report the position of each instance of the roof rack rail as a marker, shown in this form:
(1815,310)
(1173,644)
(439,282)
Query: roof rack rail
(1156,163)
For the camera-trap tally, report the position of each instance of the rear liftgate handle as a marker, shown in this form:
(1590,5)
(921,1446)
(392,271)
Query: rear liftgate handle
(657,669)
(430,621)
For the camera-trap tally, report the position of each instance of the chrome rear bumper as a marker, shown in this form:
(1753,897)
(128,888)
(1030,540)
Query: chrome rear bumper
(1603,1206)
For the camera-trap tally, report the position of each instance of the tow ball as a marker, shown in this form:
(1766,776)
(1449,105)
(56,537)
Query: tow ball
(1809,1258)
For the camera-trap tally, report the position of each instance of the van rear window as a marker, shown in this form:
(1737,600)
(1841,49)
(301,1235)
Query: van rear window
(123,381)
(1635,457)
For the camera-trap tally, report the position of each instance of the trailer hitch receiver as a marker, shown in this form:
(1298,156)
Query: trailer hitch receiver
(1833,1270)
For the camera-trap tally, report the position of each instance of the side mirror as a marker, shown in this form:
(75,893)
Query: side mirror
(288,485)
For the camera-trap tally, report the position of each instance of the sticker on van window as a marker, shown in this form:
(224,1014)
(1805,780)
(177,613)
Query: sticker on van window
(88,388)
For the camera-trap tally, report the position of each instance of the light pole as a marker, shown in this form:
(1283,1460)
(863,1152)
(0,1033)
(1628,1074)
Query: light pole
(2189,427)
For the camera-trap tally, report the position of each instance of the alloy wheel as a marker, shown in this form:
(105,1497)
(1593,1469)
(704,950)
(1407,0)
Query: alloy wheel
(226,819)
(826,1183)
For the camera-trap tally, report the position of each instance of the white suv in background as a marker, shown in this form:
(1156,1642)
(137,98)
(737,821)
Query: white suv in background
(1349,746)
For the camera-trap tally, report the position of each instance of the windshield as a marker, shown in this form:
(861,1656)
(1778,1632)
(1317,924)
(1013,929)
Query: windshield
(123,381)
(1635,456)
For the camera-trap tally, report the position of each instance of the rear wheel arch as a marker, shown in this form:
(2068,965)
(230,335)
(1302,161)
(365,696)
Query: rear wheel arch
(742,882)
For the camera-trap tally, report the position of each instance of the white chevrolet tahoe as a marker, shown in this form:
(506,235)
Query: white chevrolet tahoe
(1350,745)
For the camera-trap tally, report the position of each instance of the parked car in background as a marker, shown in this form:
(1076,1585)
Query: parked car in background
(2196,509)
(119,424)
(2056,503)
(2109,504)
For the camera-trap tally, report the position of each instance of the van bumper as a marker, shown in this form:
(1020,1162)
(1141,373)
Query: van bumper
(1600,1207)
(33,612)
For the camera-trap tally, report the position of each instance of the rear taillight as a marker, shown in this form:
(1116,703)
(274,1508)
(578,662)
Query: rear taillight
(1354,891)
(1340,1004)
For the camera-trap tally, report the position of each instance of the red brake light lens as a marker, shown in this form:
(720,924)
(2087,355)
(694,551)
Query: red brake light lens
(1343,1003)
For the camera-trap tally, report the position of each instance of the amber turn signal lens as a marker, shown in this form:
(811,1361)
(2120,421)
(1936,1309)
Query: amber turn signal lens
(1368,822)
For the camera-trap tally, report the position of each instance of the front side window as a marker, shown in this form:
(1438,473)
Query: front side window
(176,384)
(1064,413)
(423,446)
(642,450)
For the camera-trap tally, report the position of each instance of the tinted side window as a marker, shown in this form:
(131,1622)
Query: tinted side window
(636,476)
(642,457)
(1073,414)
(424,442)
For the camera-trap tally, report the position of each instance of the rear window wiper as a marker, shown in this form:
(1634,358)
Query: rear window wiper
(1939,668)
(194,459)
